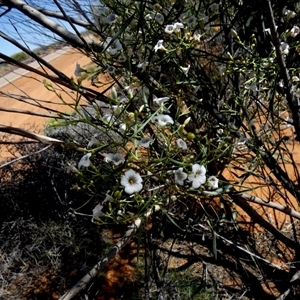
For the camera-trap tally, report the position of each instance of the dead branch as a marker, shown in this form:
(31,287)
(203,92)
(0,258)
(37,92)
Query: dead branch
(46,22)
(81,284)
(242,249)
(24,133)
(285,209)
(24,156)
(257,218)
(57,15)
(26,112)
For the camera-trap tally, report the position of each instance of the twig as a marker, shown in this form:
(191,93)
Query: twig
(285,209)
(257,218)
(24,156)
(244,250)
(26,112)
(21,132)
(81,284)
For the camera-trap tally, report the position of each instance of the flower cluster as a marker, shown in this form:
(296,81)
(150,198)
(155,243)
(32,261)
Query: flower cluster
(161,99)
(197,177)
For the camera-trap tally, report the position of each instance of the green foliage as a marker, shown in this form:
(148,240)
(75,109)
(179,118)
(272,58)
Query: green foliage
(20,56)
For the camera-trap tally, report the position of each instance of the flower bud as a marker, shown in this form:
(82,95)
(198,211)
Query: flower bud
(191,136)
(117,194)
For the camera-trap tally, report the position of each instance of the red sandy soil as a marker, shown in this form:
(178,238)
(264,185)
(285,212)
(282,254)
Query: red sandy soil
(32,85)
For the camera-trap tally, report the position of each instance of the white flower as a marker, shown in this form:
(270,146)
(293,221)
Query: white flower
(122,127)
(78,70)
(163,120)
(294,31)
(159,46)
(110,69)
(112,48)
(145,142)
(97,211)
(197,37)
(115,158)
(213,182)
(85,161)
(93,141)
(160,101)
(198,176)
(173,28)
(289,14)
(191,21)
(214,7)
(108,198)
(180,176)
(143,65)
(185,70)
(169,29)
(181,144)
(119,214)
(178,26)
(132,181)
(285,48)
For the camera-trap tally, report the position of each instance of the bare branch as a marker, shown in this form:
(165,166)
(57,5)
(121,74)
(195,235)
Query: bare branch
(88,93)
(82,284)
(257,218)
(60,16)
(24,133)
(54,27)
(25,112)
(285,209)
(24,156)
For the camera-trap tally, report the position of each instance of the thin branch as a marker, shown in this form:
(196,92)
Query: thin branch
(285,209)
(82,284)
(24,156)
(43,20)
(26,112)
(257,218)
(38,137)
(66,17)
(88,93)
(60,16)
(242,249)
(34,55)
